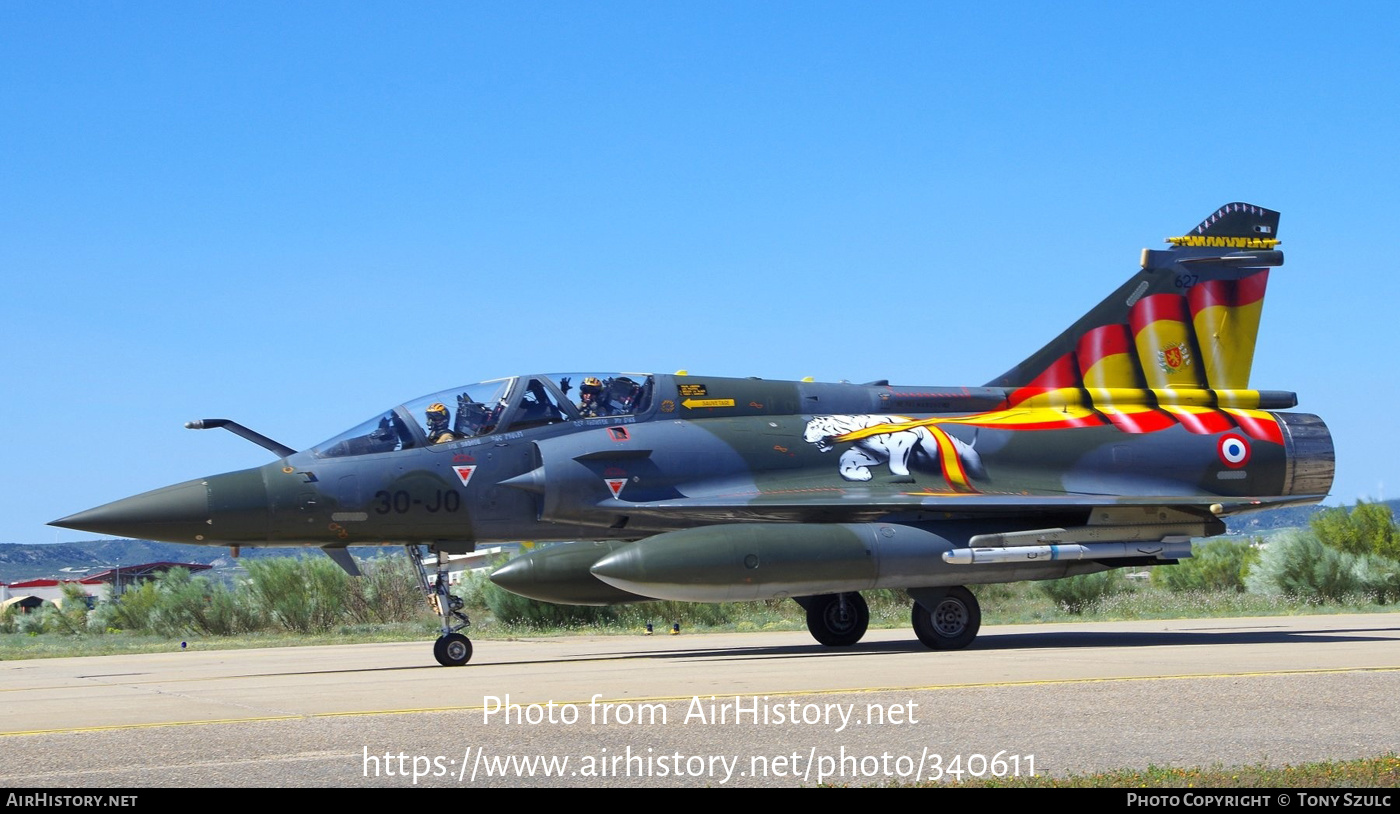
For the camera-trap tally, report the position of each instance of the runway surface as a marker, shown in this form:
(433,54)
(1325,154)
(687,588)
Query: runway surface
(753,709)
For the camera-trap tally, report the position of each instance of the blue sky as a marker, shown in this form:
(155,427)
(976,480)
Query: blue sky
(296,215)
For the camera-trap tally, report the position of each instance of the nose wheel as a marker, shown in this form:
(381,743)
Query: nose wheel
(452,649)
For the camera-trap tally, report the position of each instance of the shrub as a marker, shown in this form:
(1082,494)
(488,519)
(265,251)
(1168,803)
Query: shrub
(177,603)
(9,619)
(1078,593)
(1379,577)
(386,593)
(69,615)
(300,595)
(1298,564)
(187,604)
(1368,528)
(134,609)
(1217,565)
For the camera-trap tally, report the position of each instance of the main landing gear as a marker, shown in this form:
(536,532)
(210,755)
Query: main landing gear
(836,620)
(944,618)
(452,649)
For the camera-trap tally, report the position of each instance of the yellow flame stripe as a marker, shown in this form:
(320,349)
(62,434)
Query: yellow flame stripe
(1056,398)
(1011,419)
(1258,415)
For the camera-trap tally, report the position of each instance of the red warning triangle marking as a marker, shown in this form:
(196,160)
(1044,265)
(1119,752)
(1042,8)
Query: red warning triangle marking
(615,484)
(464,473)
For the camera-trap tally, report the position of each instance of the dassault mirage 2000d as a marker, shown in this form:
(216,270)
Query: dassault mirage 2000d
(1114,445)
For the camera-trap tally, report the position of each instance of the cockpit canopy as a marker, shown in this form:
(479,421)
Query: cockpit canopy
(488,408)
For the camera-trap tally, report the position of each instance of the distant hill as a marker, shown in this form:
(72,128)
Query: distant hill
(71,560)
(1289,517)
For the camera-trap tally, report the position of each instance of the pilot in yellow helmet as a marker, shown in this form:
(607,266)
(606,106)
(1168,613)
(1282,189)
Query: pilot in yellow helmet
(438,430)
(591,398)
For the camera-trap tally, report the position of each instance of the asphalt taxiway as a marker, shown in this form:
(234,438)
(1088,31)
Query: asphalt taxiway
(750,709)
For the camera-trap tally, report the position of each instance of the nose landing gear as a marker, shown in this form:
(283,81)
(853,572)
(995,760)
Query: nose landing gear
(452,649)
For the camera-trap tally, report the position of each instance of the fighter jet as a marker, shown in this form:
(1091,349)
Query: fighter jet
(1122,439)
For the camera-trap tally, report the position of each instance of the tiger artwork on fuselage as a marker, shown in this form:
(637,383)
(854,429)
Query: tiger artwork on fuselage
(895,447)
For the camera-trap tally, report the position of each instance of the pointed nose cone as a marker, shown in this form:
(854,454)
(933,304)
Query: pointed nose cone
(229,508)
(176,513)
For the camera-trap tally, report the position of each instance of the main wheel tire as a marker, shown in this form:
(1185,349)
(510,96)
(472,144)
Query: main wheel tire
(834,625)
(952,623)
(453,650)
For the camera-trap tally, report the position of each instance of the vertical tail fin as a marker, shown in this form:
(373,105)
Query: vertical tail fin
(1188,320)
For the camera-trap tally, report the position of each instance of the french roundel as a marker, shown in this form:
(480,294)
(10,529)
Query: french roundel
(1234,451)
